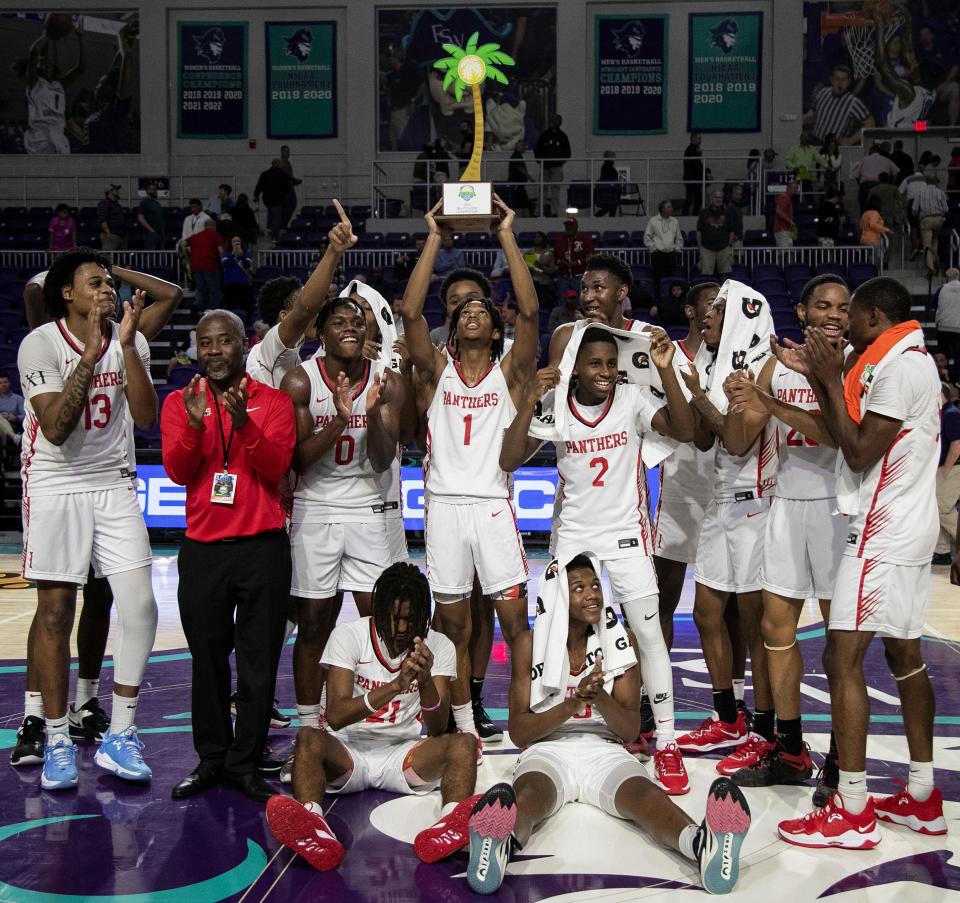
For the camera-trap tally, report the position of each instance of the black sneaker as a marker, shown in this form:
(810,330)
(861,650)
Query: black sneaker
(268,763)
(647,723)
(277,718)
(486,729)
(942,558)
(31,739)
(828,779)
(89,722)
(776,767)
(747,714)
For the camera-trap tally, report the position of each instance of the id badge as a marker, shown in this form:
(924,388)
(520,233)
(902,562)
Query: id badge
(224,489)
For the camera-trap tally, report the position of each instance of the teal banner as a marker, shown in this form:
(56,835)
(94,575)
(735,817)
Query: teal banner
(301,79)
(725,72)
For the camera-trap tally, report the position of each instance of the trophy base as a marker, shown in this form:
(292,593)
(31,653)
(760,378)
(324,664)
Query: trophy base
(472,222)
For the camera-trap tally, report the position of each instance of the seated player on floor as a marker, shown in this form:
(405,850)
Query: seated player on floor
(386,673)
(574,696)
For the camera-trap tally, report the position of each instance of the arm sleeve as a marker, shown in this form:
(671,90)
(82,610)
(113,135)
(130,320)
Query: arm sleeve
(343,648)
(39,366)
(897,388)
(180,444)
(270,449)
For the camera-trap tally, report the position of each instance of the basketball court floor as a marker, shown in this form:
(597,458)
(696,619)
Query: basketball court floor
(115,841)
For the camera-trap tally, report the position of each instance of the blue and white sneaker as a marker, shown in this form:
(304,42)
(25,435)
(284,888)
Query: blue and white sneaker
(491,838)
(59,764)
(720,837)
(120,753)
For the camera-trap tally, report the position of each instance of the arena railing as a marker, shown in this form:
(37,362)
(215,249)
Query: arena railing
(35,261)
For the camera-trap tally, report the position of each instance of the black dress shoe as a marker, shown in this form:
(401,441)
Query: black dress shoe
(203,777)
(269,762)
(250,785)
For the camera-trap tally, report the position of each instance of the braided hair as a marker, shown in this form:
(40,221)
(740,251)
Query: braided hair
(401,582)
(496,345)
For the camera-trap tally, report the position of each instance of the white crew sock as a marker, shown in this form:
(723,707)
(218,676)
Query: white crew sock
(463,717)
(685,842)
(920,784)
(309,715)
(853,791)
(86,690)
(123,714)
(57,726)
(32,704)
(738,689)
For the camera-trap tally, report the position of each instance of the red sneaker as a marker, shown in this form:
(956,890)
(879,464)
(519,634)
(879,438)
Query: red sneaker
(306,833)
(671,775)
(446,836)
(833,826)
(714,733)
(903,809)
(639,748)
(745,755)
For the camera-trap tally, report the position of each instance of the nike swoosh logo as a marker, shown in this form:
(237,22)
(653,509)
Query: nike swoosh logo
(649,617)
(755,513)
(365,661)
(250,410)
(496,514)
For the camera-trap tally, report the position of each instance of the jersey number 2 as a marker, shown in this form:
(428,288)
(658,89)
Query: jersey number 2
(97,412)
(603,467)
(796,439)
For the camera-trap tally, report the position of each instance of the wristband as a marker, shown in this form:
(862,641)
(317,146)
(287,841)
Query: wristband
(433,707)
(366,701)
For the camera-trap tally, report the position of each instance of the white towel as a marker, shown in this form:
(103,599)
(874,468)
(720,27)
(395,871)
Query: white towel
(745,340)
(384,317)
(551,663)
(551,423)
(848,482)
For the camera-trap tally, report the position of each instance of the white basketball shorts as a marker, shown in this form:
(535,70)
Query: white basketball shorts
(887,599)
(731,545)
(676,530)
(331,557)
(397,540)
(379,765)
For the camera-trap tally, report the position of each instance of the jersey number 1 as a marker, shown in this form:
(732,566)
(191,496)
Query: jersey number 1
(467,426)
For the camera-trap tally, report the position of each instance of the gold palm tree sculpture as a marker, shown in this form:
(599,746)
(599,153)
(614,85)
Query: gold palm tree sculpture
(469,67)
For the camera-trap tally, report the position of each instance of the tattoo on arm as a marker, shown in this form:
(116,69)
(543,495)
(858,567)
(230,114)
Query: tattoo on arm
(74,398)
(712,417)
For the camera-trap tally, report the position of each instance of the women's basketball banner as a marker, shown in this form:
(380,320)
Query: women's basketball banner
(630,75)
(301,79)
(212,80)
(725,72)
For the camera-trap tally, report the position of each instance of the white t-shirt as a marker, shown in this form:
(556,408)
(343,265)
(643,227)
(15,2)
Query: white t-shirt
(96,455)
(898,521)
(270,360)
(356,646)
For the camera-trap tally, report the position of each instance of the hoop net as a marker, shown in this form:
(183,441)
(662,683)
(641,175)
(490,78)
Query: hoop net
(859,33)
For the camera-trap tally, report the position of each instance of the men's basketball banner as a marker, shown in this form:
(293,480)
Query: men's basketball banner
(725,72)
(211,79)
(630,75)
(301,79)
(163,502)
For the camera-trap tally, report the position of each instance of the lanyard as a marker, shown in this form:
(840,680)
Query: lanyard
(224,442)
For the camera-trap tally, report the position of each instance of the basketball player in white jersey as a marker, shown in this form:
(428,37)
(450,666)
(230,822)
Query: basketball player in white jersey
(468,396)
(46,98)
(602,497)
(87,718)
(79,374)
(388,674)
(911,100)
(728,561)
(348,417)
(885,416)
(572,753)
(804,536)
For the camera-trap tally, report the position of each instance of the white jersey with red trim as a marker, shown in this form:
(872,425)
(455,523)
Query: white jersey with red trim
(898,520)
(96,454)
(342,486)
(357,647)
(602,487)
(465,427)
(807,469)
(590,721)
(753,475)
(269,361)
(390,486)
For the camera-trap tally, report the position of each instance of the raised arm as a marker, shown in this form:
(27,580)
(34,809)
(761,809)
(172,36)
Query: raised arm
(676,420)
(140,393)
(746,416)
(166,299)
(518,444)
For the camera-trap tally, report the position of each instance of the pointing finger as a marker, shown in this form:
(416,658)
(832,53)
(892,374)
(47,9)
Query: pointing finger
(341,212)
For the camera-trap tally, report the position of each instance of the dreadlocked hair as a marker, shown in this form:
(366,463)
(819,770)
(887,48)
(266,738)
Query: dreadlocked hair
(496,345)
(398,583)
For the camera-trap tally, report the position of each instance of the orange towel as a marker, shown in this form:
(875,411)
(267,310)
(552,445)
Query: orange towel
(875,352)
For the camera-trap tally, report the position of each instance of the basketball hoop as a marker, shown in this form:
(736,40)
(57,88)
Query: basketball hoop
(858,31)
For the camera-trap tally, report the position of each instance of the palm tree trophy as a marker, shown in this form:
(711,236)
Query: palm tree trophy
(467,203)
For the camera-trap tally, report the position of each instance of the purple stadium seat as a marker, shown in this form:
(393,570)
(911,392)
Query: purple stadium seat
(181,376)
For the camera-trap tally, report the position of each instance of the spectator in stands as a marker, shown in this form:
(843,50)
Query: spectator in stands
(403,85)
(113,220)
(805,160)
(206,250)
(571,252)
(608,173)
(872,226)
(948,316)
(185,354)
(290,198)
(441,169)
(553,148)
(11,413)
(693,175)
(396,305)
(195,221)
(237,280)
(715,236)
(940,70)
(403,264)
(736,224)
(904,162)
(871,166)
(62,230)
(499,268)
(890,200)
(670,310)
(664,240)
(832,163)
(568,312)
(944,370)
(222,203)
(449,257)
(948,474)
(739,200)
(245,220)
(830,215)
(274,185)
(543,268)
(953,172)
(440,334)
(836,111)
(150,217)
(509,312)
(784,220)
(518,176)
(932,207)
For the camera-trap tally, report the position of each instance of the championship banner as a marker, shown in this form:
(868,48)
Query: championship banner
(301,79)
(212,79)
(630,75)
(725,71)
